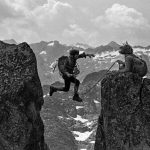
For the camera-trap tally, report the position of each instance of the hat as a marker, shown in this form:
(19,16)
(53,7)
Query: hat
(74,52)
(126,49)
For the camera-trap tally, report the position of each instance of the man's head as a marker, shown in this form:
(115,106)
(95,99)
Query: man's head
(126,49)
(74,52)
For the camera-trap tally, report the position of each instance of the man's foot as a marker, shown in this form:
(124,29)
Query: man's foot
(77,98)
(52,90)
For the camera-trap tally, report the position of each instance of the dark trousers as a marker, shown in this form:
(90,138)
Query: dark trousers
(68,81)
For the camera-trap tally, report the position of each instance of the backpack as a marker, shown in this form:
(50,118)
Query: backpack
(62,60)
(144,70)
(141,70)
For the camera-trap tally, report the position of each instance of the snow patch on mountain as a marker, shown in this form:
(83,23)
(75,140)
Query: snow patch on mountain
(60,117)
(45,95)
(138,51)
(50,44)
(109,54)
(104,55)
(89,124)
(97,102)
(81,45)
(79,118)
(43,52)
(92,142)
(80,52)
(97,57)
(78,107)
(82,136)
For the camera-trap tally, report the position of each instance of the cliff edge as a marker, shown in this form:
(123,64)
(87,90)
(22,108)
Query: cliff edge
(124,122)
(21,98)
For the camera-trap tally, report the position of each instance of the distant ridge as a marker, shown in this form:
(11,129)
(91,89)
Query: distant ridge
(114,45)
(47,52)
(10,41)
(142,47)
(81,46)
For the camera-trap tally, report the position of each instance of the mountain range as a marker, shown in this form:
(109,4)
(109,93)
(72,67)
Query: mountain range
(48,52)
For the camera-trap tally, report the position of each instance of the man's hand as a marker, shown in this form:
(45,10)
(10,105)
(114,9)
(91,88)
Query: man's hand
(69,75)
(120,62)
(91,55)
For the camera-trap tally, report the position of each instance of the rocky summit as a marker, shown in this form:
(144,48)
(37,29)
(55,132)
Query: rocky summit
(21,98)
(124,123)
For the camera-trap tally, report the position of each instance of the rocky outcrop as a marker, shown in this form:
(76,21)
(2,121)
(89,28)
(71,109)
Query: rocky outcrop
(124,123)
(21,98)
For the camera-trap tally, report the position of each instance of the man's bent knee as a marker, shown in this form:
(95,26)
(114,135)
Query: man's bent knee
(66,89)
(77,82)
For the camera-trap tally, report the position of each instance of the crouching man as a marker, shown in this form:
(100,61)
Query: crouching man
(132,63)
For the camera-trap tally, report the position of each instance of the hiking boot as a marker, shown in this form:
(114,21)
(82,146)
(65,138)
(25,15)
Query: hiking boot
(52,90)
(77,98)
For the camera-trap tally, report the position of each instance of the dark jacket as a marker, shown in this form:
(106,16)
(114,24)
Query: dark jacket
(69,64)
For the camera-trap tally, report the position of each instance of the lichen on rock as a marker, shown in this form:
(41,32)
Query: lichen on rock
(21,98)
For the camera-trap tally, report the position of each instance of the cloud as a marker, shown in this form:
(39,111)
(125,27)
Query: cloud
(50,10)
(44,21)
(74,31)
(50,19)
(119,16)
(122,23)
(6,11)
(24,4)
(71,21)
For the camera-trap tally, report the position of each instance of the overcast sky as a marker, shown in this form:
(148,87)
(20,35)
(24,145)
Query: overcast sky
(94,22)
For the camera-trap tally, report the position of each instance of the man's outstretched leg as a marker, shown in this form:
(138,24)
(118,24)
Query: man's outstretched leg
(65,88)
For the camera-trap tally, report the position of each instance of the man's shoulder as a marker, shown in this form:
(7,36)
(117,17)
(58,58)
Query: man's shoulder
(63,59)
(130,57)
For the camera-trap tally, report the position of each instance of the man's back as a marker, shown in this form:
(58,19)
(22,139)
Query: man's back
(138,65)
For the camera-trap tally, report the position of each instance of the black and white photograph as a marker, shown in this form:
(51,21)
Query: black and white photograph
(74,74)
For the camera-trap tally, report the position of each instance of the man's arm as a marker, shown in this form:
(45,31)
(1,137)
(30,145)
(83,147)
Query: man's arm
(121,64)
(84,55)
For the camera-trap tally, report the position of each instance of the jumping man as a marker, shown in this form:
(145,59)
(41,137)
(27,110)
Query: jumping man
(67,69)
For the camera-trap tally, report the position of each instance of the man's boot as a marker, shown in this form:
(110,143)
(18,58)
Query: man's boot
(77,98)
(52,90)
